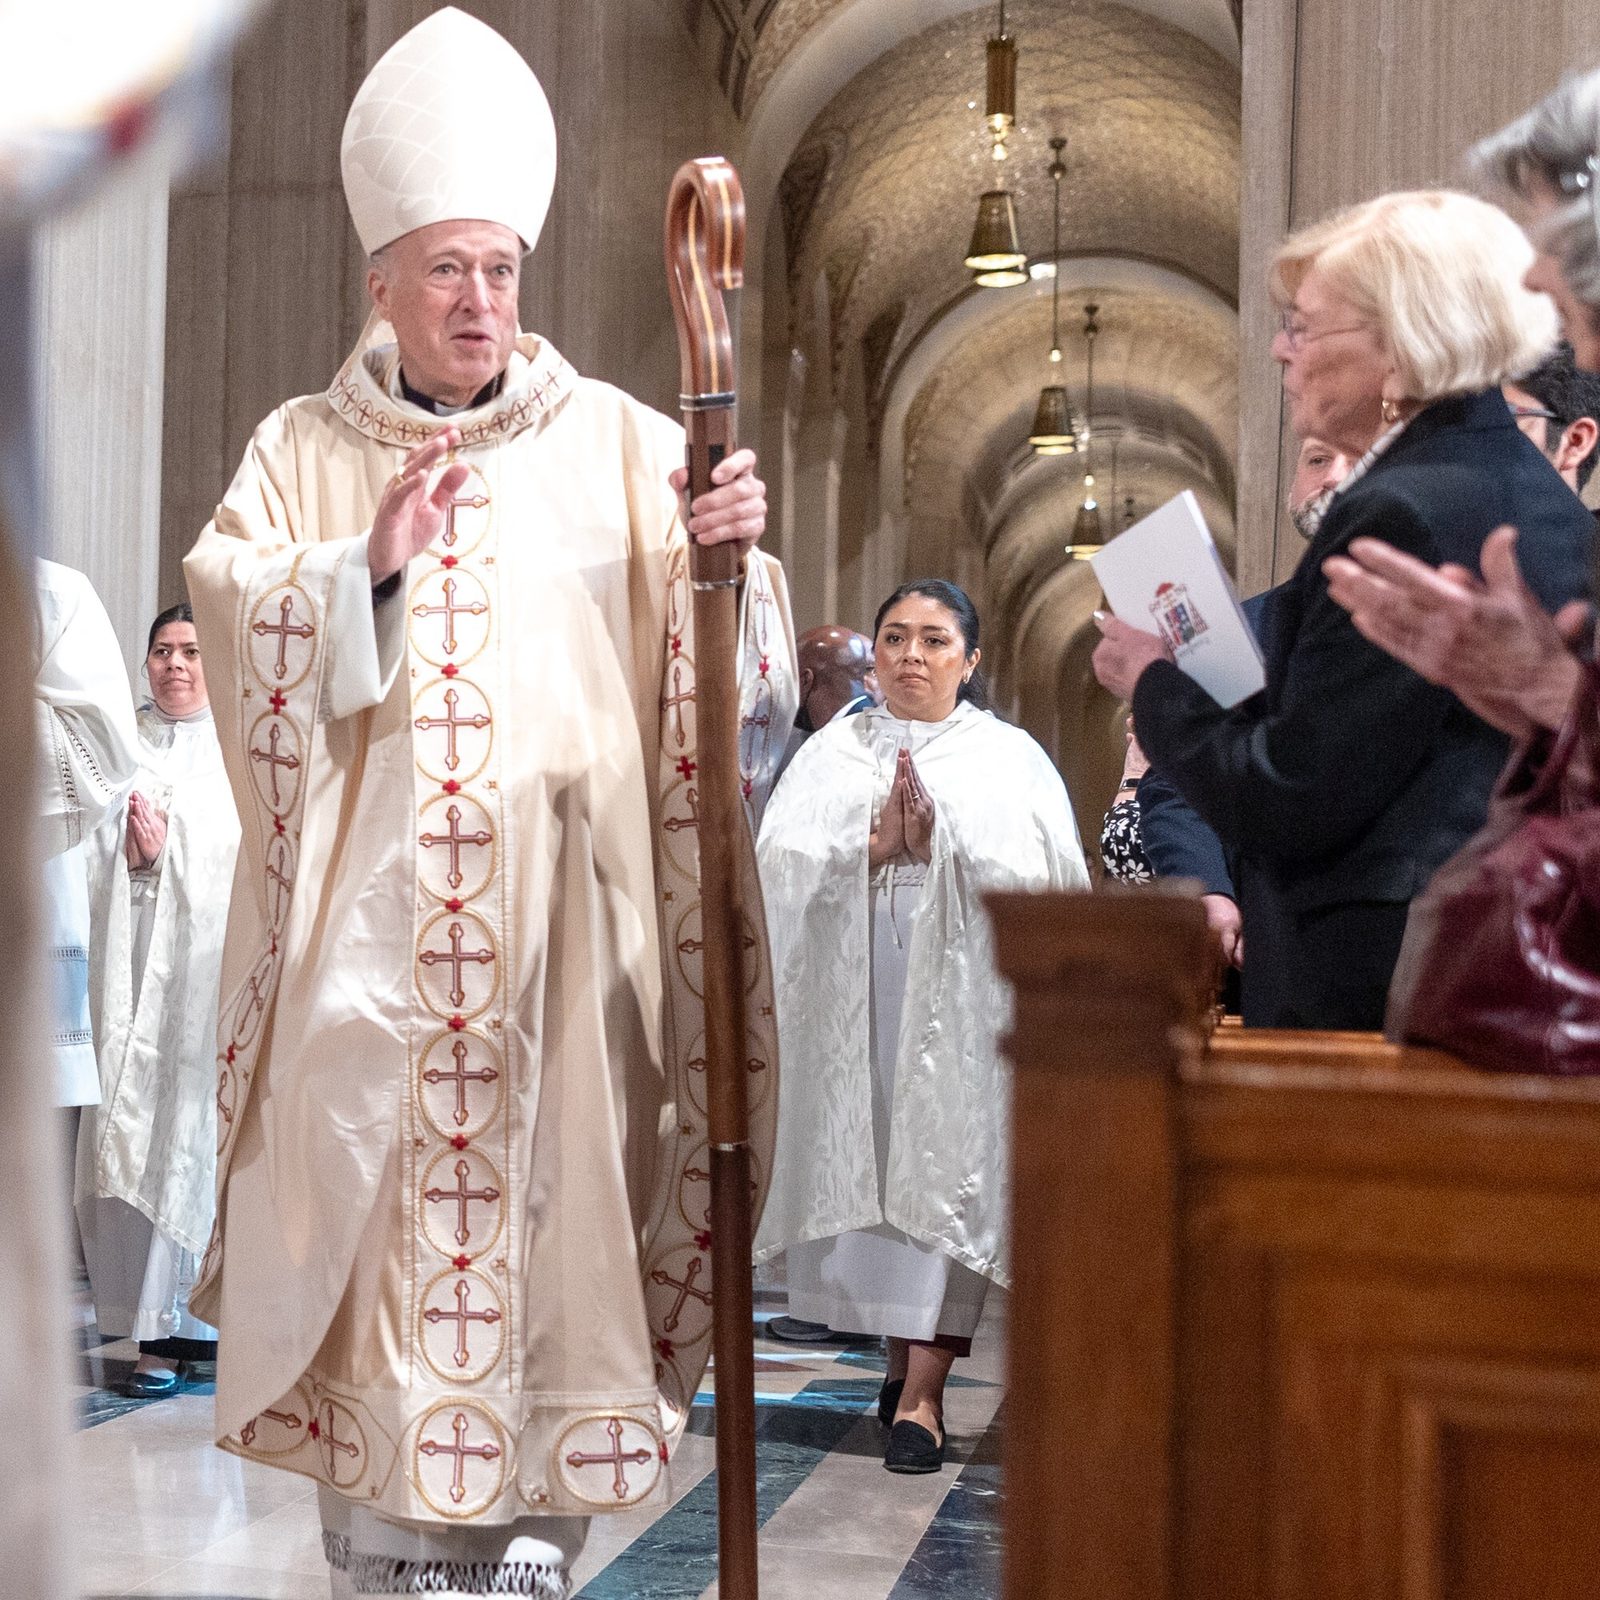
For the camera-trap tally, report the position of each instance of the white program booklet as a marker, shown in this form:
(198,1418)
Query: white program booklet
(1164,575)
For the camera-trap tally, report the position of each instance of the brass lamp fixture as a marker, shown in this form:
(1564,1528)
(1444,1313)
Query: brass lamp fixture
(995,256)
(1000,105)
(1052,434)
(1088,534)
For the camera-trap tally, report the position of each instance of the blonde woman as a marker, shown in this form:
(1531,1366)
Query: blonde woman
(1350,779)
(1492,643)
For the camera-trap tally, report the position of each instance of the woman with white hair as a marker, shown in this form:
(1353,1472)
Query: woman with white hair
(1493,643)
(1350,779)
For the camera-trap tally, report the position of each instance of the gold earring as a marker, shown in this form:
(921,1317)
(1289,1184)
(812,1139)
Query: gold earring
(1390,410)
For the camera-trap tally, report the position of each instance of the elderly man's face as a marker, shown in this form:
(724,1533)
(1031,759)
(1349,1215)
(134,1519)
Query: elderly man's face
(1318,469)
(1580,321)
(450,292)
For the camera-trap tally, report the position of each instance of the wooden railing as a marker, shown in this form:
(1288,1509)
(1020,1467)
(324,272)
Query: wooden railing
(1297,1316)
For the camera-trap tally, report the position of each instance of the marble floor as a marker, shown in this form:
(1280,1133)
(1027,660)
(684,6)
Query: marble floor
(163,1513)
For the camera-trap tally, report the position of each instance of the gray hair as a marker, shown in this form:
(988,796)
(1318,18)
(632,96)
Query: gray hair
(1553,149)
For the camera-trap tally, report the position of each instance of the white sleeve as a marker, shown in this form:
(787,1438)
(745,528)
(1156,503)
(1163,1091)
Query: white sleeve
(368,638)
(83,711)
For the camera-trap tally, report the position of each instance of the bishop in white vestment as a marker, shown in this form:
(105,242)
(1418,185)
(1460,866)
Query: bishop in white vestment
(462,1262)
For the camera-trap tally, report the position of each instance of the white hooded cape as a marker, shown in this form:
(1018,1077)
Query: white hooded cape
(1002,821)
(152,1141)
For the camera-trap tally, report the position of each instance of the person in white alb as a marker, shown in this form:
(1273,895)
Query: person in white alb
(147,1153)
(890,1186)
(83,717)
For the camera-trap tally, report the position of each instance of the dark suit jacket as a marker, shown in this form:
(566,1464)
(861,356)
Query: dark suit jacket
(1344,784)
(1178,842)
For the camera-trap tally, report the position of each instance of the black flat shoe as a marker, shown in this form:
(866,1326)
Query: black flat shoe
(796,1330)
(152,1385)
(889,1399)
(913,1449)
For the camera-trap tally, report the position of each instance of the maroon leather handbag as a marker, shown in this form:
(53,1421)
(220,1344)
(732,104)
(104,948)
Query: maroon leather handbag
(1501,962)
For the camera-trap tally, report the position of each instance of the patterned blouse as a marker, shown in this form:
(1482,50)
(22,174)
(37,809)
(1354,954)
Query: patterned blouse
(1121,847)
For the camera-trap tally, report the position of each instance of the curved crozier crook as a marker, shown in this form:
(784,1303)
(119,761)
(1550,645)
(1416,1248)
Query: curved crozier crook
(705,256)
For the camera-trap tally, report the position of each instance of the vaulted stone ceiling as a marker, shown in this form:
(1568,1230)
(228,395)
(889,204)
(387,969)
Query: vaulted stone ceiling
(875,209)
(781,28)
(786,25)
(1165,378)
(884,188)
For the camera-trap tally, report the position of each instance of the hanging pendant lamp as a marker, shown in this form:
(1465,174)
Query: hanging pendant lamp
(1088,533)
(995,256)
(995,245)
(1000,101)
(1051,434)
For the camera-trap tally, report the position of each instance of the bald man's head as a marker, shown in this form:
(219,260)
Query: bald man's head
(835,667)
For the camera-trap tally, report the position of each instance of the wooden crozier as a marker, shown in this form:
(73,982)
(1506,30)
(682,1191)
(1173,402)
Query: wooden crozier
(705,255)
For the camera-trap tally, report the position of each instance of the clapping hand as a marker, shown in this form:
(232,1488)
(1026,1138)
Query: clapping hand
(147,833)
(905,825)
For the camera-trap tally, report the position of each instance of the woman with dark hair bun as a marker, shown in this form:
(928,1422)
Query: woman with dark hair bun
(889,1188)
(147,1152)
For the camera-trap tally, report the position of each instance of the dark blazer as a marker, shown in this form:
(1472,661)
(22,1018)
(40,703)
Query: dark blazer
(1178,842)
(1344,784)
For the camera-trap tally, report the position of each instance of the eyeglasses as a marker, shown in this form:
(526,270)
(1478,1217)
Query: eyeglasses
(1520,412)
(1296,333)
(1579,181)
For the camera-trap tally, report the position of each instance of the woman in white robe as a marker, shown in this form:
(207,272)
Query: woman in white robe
(147,1153)
(889,1187)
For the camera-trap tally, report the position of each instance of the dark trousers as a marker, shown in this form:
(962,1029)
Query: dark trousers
(179,1349)
(1328,968)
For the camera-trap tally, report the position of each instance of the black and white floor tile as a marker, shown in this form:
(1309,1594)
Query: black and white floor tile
(162,1513)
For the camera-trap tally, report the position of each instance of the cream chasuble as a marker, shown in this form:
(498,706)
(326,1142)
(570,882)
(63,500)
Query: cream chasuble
(462,1261)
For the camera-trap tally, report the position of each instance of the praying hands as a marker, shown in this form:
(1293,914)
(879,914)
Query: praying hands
(905,825)
(147,833)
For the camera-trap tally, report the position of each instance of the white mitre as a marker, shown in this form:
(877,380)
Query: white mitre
(450,125)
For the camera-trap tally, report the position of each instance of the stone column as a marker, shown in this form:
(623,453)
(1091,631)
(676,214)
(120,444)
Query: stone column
(100,314)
